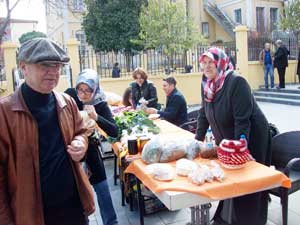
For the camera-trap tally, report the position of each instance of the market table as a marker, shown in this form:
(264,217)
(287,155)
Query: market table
(180,193)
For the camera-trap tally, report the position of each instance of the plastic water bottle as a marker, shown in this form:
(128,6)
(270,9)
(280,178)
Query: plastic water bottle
(209,139)
(243,139)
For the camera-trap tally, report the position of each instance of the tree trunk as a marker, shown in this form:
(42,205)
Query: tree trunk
(128,60)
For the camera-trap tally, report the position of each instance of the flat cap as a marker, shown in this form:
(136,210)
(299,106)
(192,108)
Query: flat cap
(42,50)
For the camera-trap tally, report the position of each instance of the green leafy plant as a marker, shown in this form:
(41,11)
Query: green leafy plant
(128,120)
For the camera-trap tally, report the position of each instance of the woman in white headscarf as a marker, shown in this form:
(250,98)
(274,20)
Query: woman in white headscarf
(89,96)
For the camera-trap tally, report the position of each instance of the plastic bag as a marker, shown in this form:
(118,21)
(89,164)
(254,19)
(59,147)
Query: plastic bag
(172,150)
(152,150)
(205,173)
(193,148)
(167,150)
(184,167)
(161,171)
(208,153)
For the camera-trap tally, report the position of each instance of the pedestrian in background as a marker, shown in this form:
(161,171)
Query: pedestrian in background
(266,57)
(281,62)
(116,71)
(42,140)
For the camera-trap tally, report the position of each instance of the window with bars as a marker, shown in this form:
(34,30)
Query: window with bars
(205,29)
(238,16)
(260,19)
(274,18)
(78,5)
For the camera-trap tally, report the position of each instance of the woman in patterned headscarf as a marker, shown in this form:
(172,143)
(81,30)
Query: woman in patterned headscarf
(90,97)
(230,109)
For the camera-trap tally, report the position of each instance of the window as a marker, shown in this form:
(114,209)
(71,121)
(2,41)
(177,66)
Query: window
(205,29)
(80,36)
(78,5)
(260,19)
(273,18)
(238,16)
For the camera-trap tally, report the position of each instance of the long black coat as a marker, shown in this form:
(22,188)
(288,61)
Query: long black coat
(107,123)
(233,112)
(281,57)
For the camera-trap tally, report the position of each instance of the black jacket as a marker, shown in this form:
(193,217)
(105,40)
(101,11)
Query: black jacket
(176,109)
(281,57)
(147,90)
(233,112)
(106,122)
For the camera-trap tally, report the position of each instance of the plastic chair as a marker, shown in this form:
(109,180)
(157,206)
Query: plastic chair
(286,158)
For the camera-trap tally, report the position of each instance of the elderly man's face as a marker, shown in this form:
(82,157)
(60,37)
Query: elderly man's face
(42,78)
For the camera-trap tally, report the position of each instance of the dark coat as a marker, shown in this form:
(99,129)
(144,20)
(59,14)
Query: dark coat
(176,109)
(281,57)
(106,122)
(233,112)
(147,90)
(115,72)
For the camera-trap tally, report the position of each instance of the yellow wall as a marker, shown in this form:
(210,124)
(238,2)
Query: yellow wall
(256,74)
(221,34)
(187,84)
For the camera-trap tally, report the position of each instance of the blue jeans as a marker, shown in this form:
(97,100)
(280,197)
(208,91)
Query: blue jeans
(106,207)
(269,69)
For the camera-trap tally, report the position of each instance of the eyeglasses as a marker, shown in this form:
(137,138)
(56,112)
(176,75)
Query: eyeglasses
(85,92)
(50,66)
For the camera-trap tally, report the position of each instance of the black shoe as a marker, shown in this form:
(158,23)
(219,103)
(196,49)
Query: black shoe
(278,87)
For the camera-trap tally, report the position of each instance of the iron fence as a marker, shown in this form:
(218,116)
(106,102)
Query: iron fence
(256,44)
(154,60)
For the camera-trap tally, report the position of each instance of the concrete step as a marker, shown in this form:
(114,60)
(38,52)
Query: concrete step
(283,101)
(277,94)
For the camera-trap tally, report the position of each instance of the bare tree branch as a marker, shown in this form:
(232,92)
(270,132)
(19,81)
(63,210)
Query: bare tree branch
(6,21)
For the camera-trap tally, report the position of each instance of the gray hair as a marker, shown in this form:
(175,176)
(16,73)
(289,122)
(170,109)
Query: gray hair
(278,42)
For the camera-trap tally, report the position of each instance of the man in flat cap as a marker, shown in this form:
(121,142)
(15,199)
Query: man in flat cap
(176,108)
(281,62)
(42,140)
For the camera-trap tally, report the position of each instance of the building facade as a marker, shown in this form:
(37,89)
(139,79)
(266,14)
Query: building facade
(214,19)
(64,19)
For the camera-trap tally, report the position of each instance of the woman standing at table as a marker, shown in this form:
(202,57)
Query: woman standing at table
(143,91)
(90,97)
(230,109)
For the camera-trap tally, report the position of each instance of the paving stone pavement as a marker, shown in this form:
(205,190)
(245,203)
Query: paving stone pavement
(285,117)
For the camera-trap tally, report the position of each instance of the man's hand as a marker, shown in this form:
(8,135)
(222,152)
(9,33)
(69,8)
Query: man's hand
(151,110)
(76,150)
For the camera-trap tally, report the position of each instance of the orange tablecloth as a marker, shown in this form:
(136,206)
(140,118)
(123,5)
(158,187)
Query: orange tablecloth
(253,177)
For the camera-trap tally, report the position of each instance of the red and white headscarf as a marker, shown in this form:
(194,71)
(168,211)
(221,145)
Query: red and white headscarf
(224,67)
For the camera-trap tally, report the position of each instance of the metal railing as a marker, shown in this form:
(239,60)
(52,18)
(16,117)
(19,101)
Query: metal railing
(154,60)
